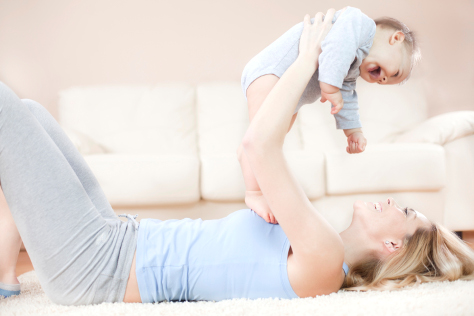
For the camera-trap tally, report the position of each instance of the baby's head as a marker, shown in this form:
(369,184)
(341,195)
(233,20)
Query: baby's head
(393,54)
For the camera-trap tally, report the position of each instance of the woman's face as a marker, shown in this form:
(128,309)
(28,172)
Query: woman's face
(386,224)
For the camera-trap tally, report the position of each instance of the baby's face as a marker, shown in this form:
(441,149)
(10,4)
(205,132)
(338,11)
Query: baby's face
(391,65)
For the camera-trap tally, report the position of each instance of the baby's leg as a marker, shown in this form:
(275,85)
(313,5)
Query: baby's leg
(68,240)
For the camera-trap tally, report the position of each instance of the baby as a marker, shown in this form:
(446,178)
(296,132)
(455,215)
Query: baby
(383,51)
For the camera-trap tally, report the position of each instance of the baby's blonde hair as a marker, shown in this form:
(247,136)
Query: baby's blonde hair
(429,255)
(411,42)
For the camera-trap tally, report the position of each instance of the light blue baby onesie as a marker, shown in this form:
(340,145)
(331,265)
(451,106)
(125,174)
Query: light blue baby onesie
(343,50)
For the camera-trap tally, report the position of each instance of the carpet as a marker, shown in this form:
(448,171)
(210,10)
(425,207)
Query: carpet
(441,298)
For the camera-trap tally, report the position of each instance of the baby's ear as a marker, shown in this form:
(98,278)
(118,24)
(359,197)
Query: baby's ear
(397,36)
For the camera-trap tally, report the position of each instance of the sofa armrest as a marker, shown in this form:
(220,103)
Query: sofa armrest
(440,129)
(83,143)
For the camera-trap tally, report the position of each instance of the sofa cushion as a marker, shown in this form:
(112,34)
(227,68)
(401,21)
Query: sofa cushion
(222,116)
(222,178)
(441,129)
(387,110)
(147,179)
(386,168)
(135,120)
(459,205)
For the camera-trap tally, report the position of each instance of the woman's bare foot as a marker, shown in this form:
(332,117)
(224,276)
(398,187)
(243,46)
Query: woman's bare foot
(9,279)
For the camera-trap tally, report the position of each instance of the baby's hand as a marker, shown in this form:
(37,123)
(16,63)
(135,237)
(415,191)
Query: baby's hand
(256,201)
(356,143)
(335,98)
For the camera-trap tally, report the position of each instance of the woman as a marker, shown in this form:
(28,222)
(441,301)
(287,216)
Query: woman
(83,254)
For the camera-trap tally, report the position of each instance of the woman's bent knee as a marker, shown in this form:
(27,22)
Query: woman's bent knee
(32,104)
(35,108)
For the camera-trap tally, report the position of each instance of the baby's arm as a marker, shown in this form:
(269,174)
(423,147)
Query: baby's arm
(332,94)
(356,141)
(338,53)
(348,119)
(339,49)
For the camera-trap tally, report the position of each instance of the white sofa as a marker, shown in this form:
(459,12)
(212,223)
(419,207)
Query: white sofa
(169,151)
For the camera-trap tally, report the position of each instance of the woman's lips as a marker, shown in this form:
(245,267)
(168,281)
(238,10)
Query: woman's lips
(380,206)
(377,206)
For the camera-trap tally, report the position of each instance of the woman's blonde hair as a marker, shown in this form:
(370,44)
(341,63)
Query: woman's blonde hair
(429,255)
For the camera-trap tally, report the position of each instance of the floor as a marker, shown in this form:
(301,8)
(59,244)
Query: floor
(469,237)
(435,298)
(24,263)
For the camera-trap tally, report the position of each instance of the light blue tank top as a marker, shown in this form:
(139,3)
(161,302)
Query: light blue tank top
(239,256)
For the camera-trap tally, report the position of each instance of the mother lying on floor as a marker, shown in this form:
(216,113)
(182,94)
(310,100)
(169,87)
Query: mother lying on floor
(84,254)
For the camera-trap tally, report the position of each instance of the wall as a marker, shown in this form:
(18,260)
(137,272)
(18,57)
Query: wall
(49,45)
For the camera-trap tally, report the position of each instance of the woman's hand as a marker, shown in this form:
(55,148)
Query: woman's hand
(314,34)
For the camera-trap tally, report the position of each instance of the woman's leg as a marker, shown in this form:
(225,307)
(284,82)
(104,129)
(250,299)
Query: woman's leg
(73,157)
(10,246)
(68,240)
(8,231)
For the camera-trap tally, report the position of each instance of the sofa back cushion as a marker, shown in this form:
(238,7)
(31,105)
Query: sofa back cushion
(135,120)
(388,110)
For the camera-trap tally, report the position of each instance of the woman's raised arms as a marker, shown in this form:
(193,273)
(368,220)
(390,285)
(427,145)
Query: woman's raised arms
(317,248)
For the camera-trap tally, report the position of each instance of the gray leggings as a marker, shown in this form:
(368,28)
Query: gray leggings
(81,251)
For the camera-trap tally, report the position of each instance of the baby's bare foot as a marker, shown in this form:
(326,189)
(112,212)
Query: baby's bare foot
(259,205)
(267,216)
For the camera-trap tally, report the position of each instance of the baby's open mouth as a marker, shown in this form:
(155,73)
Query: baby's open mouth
(374,72)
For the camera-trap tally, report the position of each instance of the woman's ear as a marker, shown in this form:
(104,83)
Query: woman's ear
(398,36)
(392,245)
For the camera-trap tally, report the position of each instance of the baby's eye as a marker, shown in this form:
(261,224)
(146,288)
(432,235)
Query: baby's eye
(406,211)
(396,75)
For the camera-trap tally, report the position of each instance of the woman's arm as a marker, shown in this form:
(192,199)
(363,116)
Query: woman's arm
(316,246)
(253,195)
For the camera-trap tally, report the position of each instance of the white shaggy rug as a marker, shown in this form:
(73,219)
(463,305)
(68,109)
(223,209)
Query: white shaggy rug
(446,298)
